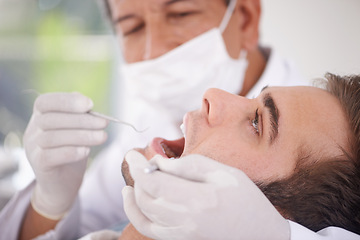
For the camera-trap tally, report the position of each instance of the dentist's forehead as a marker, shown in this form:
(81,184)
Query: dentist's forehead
(156,1)
(122,5)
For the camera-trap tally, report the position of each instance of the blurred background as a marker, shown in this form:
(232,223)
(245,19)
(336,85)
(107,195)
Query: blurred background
(67,45)
(319,35)
(48,46)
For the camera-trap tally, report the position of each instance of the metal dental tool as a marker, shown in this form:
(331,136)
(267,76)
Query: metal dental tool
(96,114)
(112,119)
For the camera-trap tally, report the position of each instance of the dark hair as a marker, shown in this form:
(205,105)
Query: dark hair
(326,193)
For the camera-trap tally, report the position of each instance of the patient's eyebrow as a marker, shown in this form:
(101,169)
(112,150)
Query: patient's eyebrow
(269,103)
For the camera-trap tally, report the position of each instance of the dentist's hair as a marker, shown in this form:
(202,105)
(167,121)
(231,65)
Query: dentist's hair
(326,192)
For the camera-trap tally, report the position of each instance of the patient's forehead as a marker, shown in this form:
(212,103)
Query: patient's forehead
(312,116)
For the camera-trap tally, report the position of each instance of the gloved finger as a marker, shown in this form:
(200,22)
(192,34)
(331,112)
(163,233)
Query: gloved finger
(159,184)
(102,234)
(60,156)
(163,185)
(136,217)
(49,121)
(194,167)
(63,102)
(160,210)
(171,233)
(136,160)
(59,138)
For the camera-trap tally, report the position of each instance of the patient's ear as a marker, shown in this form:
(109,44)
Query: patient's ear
(126,174)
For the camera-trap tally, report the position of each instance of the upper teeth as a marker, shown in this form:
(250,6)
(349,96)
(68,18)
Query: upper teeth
(182,127)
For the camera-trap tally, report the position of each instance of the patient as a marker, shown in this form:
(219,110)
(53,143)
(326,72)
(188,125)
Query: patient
(300,145)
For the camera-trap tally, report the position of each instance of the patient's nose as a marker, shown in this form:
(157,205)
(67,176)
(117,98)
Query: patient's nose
(214,104)
(220,106)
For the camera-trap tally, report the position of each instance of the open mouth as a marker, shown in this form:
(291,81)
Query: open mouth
(166,148)
(173,149)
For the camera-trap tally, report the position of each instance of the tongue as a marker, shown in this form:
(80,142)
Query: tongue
(168,152)
(173,149)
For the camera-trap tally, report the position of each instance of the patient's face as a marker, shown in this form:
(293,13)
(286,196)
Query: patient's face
(262,136)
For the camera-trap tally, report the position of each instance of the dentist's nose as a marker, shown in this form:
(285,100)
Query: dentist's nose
(158,41)
(220,106)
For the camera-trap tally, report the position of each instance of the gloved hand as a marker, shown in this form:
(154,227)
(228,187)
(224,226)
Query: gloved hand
(57,141)
(195,197)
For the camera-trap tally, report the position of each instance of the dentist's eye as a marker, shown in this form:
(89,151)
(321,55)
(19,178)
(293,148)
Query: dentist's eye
(255,122)
(134,30)
(178,15)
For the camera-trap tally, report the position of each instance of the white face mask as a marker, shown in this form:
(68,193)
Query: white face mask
(177,80)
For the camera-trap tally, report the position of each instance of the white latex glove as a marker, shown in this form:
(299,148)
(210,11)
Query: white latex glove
(195,197)
(102,235)
(57,141)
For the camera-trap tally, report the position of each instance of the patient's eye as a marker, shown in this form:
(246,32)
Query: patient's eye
(255,122)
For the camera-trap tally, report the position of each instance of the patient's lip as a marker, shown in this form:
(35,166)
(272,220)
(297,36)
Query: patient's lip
(155,146)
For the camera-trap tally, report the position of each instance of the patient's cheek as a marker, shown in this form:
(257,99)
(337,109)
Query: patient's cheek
(126,174)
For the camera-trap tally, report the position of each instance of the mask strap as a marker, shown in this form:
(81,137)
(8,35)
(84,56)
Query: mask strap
(227,16)
(147,52)
(242,54)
